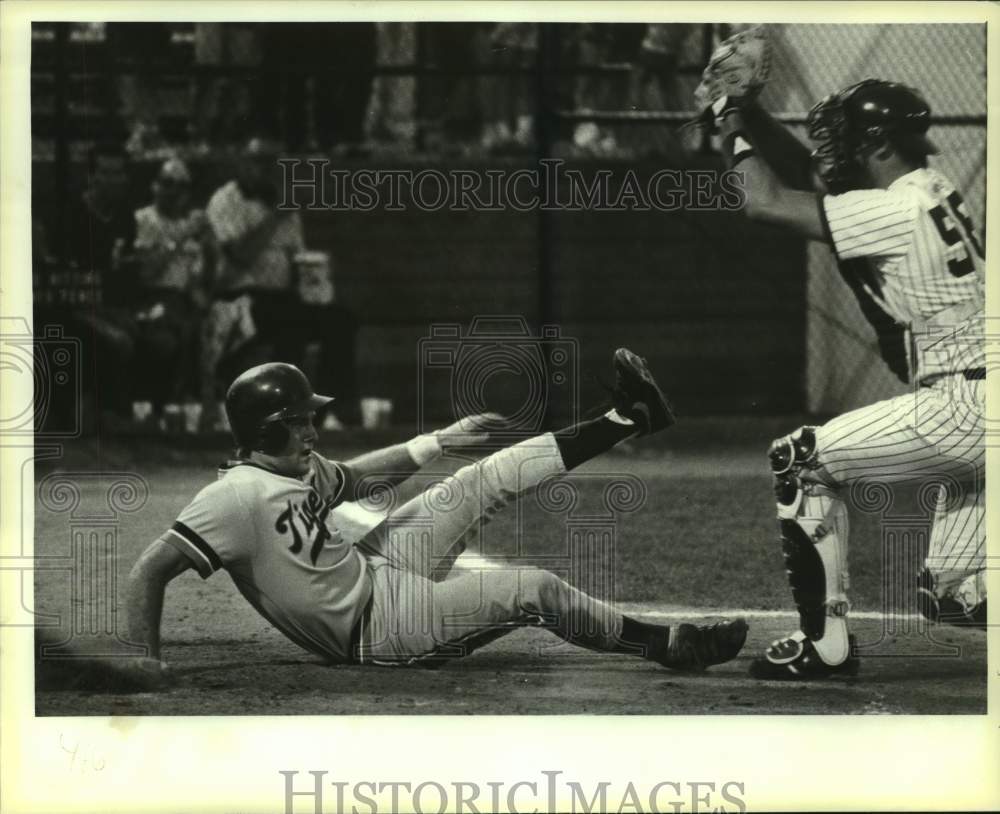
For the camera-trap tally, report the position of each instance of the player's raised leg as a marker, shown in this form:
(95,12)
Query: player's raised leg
(414,619)
(428,533)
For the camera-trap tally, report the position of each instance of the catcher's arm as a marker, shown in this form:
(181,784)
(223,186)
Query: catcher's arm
(767,198)
(157,566)
(775,165)
(790,159)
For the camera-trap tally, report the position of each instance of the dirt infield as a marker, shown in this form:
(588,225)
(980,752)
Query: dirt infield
(517,675)
(702,540)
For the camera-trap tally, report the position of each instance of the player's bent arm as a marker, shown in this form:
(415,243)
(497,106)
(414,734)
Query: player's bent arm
(157,566)
(789,157)
(395,464)
(391,465)
(767,198)
(777,204)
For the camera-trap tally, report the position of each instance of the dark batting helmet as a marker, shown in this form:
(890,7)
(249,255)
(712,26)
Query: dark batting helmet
(848,124)
(260,400)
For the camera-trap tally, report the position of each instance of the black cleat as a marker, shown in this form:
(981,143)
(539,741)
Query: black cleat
(694,647)
(796,659)
(636,395)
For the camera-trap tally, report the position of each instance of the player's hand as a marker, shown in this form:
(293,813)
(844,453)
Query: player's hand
(469,431)
(139,674)
(103,674)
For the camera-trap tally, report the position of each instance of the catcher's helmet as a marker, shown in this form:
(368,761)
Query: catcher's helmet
(866,115)
(261,398)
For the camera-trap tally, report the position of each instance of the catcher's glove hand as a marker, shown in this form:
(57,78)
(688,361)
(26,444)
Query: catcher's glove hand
(736,73)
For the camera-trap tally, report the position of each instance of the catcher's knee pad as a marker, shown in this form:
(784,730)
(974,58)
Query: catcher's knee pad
(963,607)
(812,521)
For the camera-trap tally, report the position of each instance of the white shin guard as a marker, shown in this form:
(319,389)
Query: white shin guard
(814,540)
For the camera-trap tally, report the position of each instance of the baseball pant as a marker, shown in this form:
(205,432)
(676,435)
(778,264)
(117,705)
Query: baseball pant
(420,610)
(936,436)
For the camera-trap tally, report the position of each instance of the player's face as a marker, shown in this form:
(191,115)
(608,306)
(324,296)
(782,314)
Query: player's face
(294,458)
(819,167)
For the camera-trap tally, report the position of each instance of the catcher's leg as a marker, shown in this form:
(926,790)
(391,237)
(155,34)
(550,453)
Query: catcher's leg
(813,527)
(902,440)
(412,620)
(952,586)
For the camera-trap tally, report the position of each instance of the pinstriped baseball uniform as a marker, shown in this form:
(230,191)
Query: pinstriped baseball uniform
(915,261)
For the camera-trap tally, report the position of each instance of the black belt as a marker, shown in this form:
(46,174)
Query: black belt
(974,373)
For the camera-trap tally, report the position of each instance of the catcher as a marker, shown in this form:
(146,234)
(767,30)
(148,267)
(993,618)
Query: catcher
(908,249)
(272,521)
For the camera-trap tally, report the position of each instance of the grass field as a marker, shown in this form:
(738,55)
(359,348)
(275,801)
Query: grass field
(702,545)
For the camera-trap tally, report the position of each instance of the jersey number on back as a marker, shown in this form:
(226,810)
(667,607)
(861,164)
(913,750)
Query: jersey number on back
(945,216)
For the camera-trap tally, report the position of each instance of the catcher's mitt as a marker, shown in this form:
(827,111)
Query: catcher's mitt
(738,70)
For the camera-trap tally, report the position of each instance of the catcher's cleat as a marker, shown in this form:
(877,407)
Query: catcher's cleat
(636,395)
(695,647)
(795,659)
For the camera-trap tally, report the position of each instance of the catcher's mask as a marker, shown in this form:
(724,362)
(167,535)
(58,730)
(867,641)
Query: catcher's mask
(849,124)
(262,398)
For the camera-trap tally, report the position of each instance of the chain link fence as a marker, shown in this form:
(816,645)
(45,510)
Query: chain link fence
(447,92)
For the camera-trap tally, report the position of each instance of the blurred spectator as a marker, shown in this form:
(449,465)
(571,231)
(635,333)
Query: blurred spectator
(450,103)
(392,114)
(656,86)
(257,307)
(173,246)
(336,62)
(137,51)
(99,223)
(603,45)
(223,104)
(99,228)
(509,100)
(257,240)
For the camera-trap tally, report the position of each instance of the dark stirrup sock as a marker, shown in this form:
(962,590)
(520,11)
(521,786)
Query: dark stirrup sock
(655,639)
(588,439)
